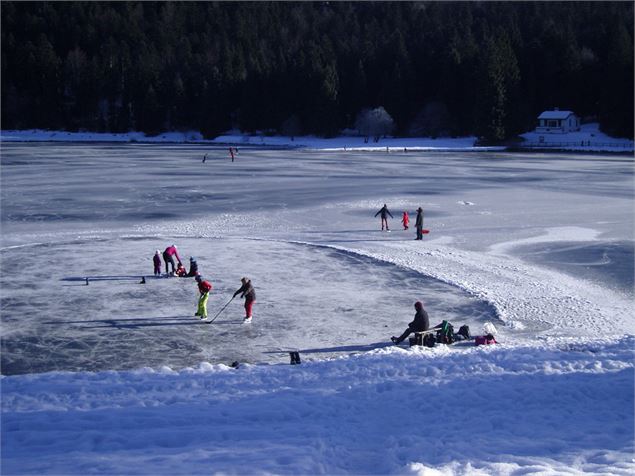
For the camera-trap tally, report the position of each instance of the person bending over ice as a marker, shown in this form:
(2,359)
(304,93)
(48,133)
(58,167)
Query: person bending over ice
(420,323)
(168,256)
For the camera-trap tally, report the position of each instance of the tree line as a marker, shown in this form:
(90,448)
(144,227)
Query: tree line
(434,68)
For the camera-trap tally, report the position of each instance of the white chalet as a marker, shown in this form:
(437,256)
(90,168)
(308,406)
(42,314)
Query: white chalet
(557,122)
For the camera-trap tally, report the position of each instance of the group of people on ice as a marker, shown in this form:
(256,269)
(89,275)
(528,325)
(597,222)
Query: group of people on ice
(442,333)
(246,289)
(405,220)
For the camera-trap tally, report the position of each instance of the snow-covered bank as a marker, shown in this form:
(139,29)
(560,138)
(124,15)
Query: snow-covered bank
(589,139)
(238,139)
(552,409)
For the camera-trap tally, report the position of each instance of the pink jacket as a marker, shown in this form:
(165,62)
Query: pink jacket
(171,251)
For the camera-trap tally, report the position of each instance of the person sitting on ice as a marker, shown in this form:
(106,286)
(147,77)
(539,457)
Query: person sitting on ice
(168,256)
(204,288)
(193,267)
(156,260)
(249,293)
(181,272)
(420,323)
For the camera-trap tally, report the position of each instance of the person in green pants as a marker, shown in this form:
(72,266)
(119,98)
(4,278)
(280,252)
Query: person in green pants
(204,288)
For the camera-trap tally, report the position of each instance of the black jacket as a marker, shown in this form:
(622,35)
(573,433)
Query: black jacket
(421,322)
(419,221)
(384,211)
(249,293)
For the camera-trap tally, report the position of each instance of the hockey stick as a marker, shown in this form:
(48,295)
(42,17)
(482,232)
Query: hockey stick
(221,310)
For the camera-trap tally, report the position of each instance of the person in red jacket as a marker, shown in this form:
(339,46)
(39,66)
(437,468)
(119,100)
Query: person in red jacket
(181,272)
(204,288)
(405,220)
(249,293)
(168,256)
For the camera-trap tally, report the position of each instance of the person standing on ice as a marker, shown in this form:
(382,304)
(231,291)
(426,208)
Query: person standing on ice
(405,220)
(156,260)
(420,323)
(249,293)
(419,224)
(204,288)
(384,216)
(231,152)
(168,256)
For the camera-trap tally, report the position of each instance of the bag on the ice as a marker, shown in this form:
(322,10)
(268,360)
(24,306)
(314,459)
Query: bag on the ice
(464,330)
(429,340)
(416,340)
(445,334)
(484,340)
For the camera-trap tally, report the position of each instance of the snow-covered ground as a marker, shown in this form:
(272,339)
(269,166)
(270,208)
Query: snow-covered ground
(589,138)
(117,377)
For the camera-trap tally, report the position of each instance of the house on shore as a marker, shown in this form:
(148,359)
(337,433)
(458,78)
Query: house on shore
(557,122)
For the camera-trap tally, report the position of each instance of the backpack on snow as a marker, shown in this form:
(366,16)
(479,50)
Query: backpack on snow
(445,334)
(464,330)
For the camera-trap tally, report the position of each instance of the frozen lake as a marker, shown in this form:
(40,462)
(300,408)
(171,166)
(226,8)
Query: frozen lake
(300,224)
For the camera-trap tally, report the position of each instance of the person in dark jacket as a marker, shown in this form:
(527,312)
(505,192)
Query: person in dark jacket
(193,267)
(420,323)
(419,224)
(156,261)
(384,216)
(249,293)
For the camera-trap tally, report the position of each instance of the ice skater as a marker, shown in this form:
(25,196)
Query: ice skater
(419,224)
(249,293)
(420,323)
(156,260)
(405,219)
(204,288)
(384,216)
(232,151)
(168,256)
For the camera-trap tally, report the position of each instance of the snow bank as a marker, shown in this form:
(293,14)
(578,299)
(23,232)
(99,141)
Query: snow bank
(475,410)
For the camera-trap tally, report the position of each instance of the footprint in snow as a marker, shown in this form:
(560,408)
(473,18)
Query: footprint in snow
(463,202)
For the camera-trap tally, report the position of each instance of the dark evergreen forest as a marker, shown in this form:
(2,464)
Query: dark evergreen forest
(484,68)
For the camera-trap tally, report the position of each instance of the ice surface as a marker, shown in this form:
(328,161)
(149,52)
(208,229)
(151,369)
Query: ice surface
(539,244)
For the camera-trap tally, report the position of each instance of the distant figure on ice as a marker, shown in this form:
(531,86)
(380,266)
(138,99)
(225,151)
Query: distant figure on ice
(420,323)
(249,293)
(193,267)
(384,216)
(181,272)
(204,288)
(419,224)
(405,220)
(168,256)
(204,158)
(156,260)
(232,151)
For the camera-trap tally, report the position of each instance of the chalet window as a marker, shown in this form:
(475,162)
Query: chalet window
(552,123)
